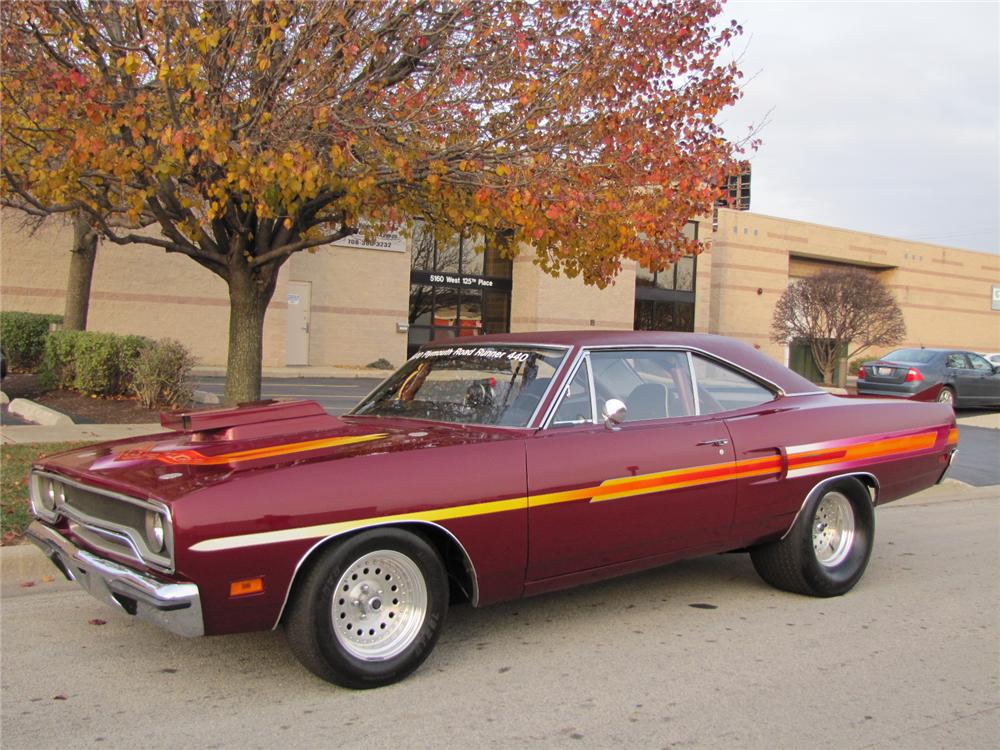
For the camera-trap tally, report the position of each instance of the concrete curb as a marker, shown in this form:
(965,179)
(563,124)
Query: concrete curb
(37,413)
(22,563)
(90,433)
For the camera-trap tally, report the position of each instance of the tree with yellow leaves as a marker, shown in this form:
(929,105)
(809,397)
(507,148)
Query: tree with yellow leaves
(239,132)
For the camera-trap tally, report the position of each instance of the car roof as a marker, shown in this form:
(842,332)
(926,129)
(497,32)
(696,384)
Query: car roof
(736,352)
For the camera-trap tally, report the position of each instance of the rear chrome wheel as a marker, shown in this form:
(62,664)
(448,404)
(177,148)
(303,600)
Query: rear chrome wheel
(826,551)
(369,609)
(946,396)
(833,529)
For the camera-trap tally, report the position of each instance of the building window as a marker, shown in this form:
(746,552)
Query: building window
(664,300)
(459,287)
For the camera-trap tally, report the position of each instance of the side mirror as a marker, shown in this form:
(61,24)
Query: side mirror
(614,413)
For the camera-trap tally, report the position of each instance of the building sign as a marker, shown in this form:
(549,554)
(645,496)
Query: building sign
(996,296)
(391,241)
(463,281)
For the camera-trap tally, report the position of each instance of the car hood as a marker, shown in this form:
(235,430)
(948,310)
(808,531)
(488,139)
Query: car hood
(168,465)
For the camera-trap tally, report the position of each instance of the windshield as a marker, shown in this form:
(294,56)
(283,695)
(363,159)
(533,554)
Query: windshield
(488,385)
(910,356)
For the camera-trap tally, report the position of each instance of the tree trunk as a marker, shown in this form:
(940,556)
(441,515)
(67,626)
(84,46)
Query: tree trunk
(248,300)
(81,272)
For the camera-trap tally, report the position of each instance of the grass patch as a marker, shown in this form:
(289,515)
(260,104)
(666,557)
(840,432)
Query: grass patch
(16,460)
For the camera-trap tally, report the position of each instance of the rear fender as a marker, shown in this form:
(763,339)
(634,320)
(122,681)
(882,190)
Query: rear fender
(866,479)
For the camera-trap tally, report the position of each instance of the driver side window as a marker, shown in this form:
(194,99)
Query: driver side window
(980,363)
(653,384)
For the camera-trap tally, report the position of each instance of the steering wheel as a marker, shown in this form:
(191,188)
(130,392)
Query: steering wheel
(477,396)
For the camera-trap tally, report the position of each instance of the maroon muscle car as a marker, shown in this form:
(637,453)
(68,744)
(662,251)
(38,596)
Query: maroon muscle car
(483,470)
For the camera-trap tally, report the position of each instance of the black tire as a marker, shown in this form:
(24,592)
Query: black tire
(805,561)
(370,610)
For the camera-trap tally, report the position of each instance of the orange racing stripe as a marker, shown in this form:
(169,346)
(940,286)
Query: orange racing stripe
(611,489)
(197,458)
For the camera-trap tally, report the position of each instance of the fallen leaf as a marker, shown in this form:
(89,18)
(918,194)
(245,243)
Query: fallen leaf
(27,584)
(95,621)
(47,579)
(58,697)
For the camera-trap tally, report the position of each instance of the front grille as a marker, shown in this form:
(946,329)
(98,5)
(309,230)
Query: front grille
(106,521)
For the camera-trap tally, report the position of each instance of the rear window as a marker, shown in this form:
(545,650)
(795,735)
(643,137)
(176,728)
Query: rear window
(910,356)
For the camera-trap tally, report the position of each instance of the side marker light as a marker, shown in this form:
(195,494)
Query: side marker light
(247,587)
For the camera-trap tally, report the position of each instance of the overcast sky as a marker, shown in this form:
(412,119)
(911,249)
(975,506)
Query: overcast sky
(884,117)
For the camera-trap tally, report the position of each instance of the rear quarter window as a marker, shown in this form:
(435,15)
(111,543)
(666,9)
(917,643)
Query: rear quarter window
(721,388)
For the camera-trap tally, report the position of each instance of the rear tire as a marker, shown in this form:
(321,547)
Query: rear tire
(947,396)
(370,610)
(827,550)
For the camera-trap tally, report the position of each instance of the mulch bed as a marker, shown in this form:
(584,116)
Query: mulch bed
(79,407)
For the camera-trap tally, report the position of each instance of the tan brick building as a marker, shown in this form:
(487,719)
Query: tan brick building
(350,305)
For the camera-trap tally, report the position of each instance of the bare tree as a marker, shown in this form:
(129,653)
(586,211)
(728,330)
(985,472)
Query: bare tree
(836,312)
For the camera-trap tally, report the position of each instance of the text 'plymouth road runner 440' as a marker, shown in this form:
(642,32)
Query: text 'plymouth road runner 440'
(485,469)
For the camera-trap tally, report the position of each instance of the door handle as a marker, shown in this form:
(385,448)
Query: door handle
(719,442)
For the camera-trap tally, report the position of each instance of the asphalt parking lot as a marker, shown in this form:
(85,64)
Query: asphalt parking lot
(700,654)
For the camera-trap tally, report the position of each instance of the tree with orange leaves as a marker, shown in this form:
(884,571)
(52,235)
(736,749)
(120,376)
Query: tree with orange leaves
(248,130)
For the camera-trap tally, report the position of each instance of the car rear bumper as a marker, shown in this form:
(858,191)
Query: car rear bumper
(952,455)
(173,606)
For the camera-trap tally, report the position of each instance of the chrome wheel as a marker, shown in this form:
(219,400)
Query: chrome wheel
(833,529)
(379,605)
(946,396)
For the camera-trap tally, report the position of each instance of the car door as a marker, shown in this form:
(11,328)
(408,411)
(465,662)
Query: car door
(984,383)
(962,375)
(657,483)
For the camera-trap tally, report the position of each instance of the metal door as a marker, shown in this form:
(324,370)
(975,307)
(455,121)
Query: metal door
(297,331)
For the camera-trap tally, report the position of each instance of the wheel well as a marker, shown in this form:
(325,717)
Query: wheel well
(871,484)
(866,480)
(458,566)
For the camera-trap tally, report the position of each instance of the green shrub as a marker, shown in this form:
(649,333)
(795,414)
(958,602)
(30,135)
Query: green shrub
(23,337)
(855,364)
(89,362)
(162,375)
(381,364)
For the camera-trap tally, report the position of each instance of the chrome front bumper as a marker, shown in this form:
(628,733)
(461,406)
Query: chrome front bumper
(173,606)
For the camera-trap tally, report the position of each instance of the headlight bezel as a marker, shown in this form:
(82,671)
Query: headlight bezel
(137,540)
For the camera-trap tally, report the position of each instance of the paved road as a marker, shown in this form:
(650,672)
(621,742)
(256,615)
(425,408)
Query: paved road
(336,395)
(697,655)
(978,461)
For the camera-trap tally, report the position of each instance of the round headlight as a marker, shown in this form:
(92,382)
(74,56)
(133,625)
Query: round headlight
(155,536)
(48,493)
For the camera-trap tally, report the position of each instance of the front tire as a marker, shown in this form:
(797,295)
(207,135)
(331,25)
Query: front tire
(827,550)
(370,610)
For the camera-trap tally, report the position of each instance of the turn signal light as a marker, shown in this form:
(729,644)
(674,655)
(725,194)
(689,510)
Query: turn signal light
(913,375)
(244,588)
(953,436)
